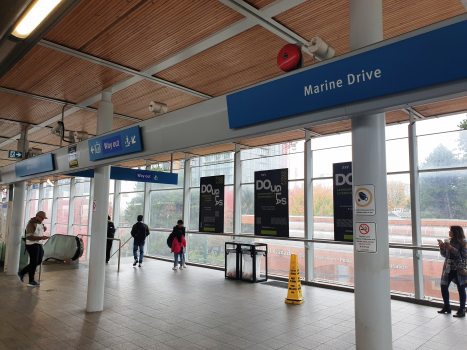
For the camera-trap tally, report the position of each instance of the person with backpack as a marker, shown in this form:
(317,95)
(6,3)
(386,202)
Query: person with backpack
(34,236)
(178,248)
(139,232)
(170,239)
(110,234)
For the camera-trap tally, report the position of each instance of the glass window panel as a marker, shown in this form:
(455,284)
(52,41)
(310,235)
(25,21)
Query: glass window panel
(63,207)
(33,208)
(48,191)
(443,196)
(273,150)
(399,212)
(111,206)
(437,125)
(61,229)
(35,191)
(442,150)
(397,131)
(80,230)
(401,270)
(64,191)
(248,209)
(64,181)
(397,155)
(132,186)
(81,210)
(131,205)
(194,209)
(47,208)
(181,176)
(324,159)
(82,187)
(433,267)
(156,244)
(166,208)
(296,209)
(213,169)
(323,201)
(207,249)
(294,162)
(334,262)
(331,141)
(127,244)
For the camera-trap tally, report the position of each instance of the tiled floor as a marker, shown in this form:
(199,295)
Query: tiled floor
(155,307)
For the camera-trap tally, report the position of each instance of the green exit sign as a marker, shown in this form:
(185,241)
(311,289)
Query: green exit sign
(15,154)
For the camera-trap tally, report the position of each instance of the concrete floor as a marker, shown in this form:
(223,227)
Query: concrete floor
(154,307)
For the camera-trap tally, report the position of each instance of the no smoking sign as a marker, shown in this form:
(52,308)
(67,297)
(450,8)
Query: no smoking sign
(365,238)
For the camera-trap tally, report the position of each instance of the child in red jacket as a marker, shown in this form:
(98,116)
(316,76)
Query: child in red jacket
(178,247)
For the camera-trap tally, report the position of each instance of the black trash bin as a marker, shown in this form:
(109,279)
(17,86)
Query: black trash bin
(243,261)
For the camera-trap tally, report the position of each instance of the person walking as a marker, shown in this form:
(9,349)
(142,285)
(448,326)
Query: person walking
(139,232)
(110,234)
(34,240)
(173,234)
(455,253)
(178,247)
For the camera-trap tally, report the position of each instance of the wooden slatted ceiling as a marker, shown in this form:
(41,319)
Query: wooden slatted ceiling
(5,162)
(227,147)
(140,33)
(134,100)
(8,130)
(13,146)
(25,109)
(444,107)
(133,163)
(166,157)
(259,3)
(400,17)
(53,74)
(276,138)
(243,60)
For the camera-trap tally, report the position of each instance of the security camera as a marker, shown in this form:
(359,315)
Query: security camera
(80,135)
(157,107)
(34,152)
(320,49)
(58,129)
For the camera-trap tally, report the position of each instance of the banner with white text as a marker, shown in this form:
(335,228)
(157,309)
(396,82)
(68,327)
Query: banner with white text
(211,204)
(342,193)
(272,203)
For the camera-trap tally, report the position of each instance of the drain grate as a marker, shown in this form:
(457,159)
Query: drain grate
(278,284)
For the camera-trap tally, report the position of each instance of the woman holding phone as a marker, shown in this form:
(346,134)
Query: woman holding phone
(454,251)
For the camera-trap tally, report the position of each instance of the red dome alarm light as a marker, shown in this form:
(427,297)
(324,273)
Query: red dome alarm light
(289,58)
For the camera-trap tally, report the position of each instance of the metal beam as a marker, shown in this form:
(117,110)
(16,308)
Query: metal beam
(464,2)
(265,21)
(120,68)
(416,114)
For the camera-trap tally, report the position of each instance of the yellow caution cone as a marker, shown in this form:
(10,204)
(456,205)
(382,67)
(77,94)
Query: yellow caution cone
(294,294)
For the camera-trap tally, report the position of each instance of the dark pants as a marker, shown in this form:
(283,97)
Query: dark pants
(36,253)
(109,249)
(139,245)
(460,289)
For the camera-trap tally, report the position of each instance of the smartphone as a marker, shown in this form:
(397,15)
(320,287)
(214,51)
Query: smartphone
(440,241)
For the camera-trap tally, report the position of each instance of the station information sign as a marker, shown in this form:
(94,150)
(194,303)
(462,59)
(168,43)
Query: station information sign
(115,144)
(35,165)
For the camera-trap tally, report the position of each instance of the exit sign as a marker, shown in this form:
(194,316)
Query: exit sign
(15,154)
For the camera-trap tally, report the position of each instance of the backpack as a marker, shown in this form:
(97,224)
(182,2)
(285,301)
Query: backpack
(170,240)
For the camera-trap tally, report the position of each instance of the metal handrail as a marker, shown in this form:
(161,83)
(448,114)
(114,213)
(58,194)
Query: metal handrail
(297,239)
(113,239)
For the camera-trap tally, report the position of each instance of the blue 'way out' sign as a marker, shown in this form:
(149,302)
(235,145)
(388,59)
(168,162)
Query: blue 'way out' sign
(115,144)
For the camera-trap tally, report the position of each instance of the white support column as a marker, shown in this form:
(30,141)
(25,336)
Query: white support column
(71,206)
(96,278)
(28,204)
(53,221)
(415,206)
(186,200)
(117,190)
(372,284)
(91,197)
(8,223)
(237,200)
(40,205)
(308,188)
(16,230)
(147,198)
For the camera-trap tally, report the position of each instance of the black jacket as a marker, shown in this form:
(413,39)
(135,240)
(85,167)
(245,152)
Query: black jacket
(140,231)
(110,229)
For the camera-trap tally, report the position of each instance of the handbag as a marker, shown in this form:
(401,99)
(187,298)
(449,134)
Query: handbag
(460,263)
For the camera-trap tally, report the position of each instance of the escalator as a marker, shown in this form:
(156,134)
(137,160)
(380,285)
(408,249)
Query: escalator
(63,248)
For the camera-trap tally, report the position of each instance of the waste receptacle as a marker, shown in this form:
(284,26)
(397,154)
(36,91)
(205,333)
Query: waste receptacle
(251,265)
(231,265)
(243,261)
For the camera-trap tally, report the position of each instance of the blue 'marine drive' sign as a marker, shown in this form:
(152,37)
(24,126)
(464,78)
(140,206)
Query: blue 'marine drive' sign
(35,165)
(408,64)
(115,144)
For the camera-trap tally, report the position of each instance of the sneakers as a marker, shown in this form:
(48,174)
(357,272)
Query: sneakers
(135,262)
(184,266)
(33,284)
(175,268)
(21,277)
(181,268)
(140,265)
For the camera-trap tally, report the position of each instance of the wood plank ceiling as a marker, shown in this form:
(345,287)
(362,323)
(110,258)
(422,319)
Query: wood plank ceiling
(141,33)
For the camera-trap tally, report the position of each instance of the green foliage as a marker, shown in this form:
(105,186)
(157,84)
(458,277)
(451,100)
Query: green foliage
(322,200)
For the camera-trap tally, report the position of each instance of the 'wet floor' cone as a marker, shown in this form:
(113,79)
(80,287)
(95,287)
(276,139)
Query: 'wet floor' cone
(294,294)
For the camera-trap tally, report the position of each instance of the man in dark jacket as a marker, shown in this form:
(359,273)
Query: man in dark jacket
(110,234)
(178,227)
(139,232)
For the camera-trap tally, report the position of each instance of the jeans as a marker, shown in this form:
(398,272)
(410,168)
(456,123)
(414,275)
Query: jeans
(36,253)
(182,258)
(108,249)
(139,245)
(460,289)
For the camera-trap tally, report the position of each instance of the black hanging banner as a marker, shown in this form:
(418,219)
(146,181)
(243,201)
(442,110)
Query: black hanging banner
(343,214)
(211,204)
(272,203)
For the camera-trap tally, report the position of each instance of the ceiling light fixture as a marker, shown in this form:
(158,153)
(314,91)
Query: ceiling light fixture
(39,11)
(50,183)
